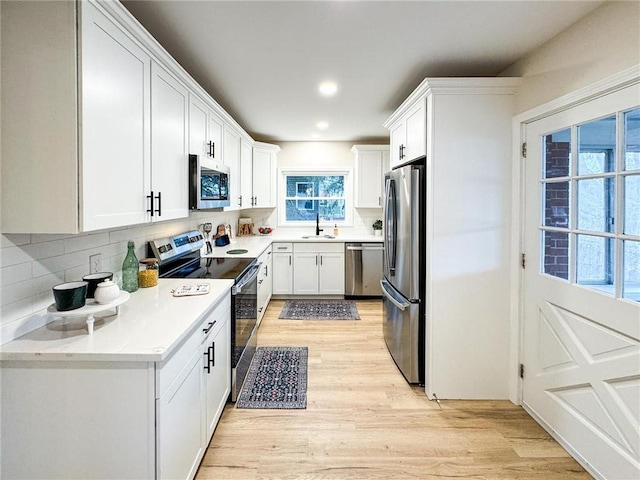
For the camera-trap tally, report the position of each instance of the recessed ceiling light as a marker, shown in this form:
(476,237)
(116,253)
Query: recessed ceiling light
(328,88)
(322,125)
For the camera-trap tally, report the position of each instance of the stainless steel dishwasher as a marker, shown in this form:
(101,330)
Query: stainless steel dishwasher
(363,269)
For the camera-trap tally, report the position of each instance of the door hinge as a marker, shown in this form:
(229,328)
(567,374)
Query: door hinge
(523,260)
(522,370)
(524,150)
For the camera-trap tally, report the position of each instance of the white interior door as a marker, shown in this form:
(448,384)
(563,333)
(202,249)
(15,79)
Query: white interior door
(582,281)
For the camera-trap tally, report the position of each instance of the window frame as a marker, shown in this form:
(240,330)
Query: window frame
(614,239)
(284,172)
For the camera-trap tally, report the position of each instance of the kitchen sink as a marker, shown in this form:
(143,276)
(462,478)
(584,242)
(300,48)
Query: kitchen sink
(317,237)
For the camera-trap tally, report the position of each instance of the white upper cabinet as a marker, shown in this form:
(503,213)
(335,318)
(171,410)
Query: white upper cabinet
(264,175)
(205,131)
(408,133)
(115,128)
(231,156)
(246,175)
(102,121)
(372,162)
(169,167)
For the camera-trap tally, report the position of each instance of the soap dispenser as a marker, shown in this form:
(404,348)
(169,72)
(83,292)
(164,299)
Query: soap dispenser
(335,230)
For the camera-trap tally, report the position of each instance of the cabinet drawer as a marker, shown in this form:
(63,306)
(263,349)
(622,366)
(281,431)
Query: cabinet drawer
(169,370)
(282,247)
(319,247)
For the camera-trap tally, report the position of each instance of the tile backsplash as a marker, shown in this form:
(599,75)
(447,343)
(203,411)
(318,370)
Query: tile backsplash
(30,264)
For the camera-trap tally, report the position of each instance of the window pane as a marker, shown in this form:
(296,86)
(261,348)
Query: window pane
(315,186)
(306,210)
(595,262)
(596,204)
(556,204)
(632,205)
(597,146)
(632,140)
(631,285)
(556,254)
(557,156)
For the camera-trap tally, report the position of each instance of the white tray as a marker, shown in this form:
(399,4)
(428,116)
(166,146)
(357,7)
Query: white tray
(188,290)
(90,308)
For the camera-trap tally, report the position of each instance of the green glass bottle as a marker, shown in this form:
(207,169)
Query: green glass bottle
(130,270)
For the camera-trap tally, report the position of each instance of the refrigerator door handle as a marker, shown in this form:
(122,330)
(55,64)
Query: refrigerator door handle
(400,303)
(391,226)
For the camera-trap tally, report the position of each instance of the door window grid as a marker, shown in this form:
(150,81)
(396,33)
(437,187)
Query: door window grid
(583,195)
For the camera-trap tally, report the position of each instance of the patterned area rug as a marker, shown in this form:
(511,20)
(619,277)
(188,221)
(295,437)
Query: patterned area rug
(320,310)
(277,378)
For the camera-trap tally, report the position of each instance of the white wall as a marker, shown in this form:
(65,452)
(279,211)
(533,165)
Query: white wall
(31,264)
(327,155)
(603,43)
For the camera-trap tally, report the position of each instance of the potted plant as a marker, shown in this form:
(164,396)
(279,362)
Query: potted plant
(377,227)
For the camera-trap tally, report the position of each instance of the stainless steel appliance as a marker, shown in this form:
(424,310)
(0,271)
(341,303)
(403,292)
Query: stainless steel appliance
(208,184)
(179,257)
(363,269)
(404,269)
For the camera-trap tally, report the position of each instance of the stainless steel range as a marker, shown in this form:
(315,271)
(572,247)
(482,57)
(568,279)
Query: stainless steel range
(179,257)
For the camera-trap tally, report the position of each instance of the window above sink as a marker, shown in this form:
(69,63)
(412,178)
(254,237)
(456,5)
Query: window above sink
(304,194)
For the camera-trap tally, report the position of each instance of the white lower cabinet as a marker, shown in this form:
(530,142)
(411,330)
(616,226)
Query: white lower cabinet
(190,407)
(318,269)
(179,426)
(118,419)
(216,353)
(265,282)
(282,276)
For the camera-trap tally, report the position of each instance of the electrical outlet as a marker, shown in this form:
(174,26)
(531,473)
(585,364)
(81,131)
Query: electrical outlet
(95,263)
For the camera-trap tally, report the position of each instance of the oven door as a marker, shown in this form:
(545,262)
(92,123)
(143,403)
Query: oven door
(245,318)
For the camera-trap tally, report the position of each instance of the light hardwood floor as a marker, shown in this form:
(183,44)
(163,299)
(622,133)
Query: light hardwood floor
(363,421)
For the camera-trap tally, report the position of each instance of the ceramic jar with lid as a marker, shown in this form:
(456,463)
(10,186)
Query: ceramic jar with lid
(148,272)
(106,292)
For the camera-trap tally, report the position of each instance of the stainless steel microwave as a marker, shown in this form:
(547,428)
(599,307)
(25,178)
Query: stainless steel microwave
(208,184)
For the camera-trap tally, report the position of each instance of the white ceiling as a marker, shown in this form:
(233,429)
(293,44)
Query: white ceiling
(262,61)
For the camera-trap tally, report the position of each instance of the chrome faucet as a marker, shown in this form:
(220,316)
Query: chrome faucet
(318,229)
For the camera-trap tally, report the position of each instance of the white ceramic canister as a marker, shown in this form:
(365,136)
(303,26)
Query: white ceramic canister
(106,292)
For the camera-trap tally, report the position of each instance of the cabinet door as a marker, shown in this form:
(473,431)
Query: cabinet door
(331,274)
(246,175)
(179,426)
(305,273)
(217,383)
(265,286)
(282,273)
(264,178)
(214,135)
(398,144)
(198,127)
(231,158)
(416,131)
(115,128)
(169,160)
(369,179)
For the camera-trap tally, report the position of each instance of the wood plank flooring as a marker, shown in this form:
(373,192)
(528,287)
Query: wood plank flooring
(363,421)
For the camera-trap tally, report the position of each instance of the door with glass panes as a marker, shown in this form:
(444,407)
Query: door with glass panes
(581,344)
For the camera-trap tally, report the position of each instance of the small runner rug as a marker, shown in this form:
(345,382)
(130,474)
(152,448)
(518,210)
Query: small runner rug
(320,310)
(277,378)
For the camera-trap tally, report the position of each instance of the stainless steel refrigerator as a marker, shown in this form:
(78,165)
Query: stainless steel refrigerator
(403,282)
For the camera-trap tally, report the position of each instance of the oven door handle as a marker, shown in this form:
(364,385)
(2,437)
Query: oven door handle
(247,278)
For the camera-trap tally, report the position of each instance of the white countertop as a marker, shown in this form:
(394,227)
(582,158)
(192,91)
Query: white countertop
(150,325)
(256,244)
